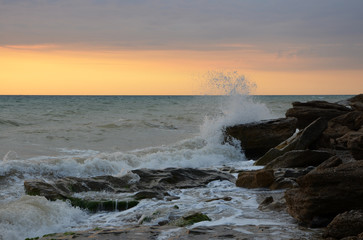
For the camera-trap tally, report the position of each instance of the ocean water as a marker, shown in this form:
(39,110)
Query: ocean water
(48,137)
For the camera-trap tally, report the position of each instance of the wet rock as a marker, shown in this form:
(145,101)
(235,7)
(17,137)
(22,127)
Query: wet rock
(325,192)
(258,137)
(149,184)
(255,179)
(222,198)
(141,232)
(174,178)
(308,112)
(270,204)
(190,219)
(299,158)
(148,194)
(301,141)
(345,224)
(102,205)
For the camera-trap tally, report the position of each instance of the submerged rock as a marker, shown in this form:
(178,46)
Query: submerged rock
(258,137)
(308,112)
(325,192)
(190,219)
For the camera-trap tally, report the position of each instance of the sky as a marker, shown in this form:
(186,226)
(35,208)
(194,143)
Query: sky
(166,47)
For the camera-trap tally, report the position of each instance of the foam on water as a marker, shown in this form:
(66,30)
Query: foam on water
(32,216)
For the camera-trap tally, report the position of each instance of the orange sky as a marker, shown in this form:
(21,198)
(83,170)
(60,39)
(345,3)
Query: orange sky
(157,47)
(48,70)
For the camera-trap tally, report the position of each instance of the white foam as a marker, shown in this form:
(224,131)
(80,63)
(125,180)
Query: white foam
(32,216)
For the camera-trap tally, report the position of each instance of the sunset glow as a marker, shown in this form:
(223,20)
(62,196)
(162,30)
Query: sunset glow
(137,61)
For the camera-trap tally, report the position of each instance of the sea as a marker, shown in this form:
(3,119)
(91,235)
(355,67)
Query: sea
(50,137)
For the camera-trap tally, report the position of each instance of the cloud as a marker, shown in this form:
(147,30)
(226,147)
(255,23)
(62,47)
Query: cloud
(287,28)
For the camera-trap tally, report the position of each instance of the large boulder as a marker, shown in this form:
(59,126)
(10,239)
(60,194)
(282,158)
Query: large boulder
(325,192)
(345,224)
(299,158)
(339,126)
(300,141)
(258,137)
(308,112)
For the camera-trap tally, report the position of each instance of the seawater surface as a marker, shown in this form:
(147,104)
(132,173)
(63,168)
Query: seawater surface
(48,137)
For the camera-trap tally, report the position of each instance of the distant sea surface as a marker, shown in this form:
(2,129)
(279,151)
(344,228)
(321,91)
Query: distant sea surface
(49,137)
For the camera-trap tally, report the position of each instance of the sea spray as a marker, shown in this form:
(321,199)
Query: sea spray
(32,216)
(237,106)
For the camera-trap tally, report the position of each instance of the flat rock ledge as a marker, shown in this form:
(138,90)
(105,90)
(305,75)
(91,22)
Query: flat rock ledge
(143,232)
(142,183)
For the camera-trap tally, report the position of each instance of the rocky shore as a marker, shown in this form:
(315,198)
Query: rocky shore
(313,156)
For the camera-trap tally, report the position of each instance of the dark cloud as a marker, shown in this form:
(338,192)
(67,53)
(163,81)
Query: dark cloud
(318,28)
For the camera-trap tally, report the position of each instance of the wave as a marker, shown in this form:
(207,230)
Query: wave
(10,123)
(32,216)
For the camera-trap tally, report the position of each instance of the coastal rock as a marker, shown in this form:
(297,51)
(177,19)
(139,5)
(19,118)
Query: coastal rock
(270,204)
(299,158)
(308,112)
(258,137)
(339,126)
(352,141)
(272,179)
(325,192)
(190,219)
(356,102)
(148,183)
(174,178)
(255,179)
(300,141)
(345,224)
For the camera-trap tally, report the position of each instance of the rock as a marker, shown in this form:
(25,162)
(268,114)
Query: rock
(308,112)
(150,183)
(222,198)
(345,224)
(174,178)
(283,183)
(190,219)
(103,205)
(356,98)
(334,161)
(255,179)
(339,126)
(300,141)
(165,231)
(269,204)
(299,158)
(352,141)
(258,137)
(325,192)
(272,154)
(148,194)
(273,179)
